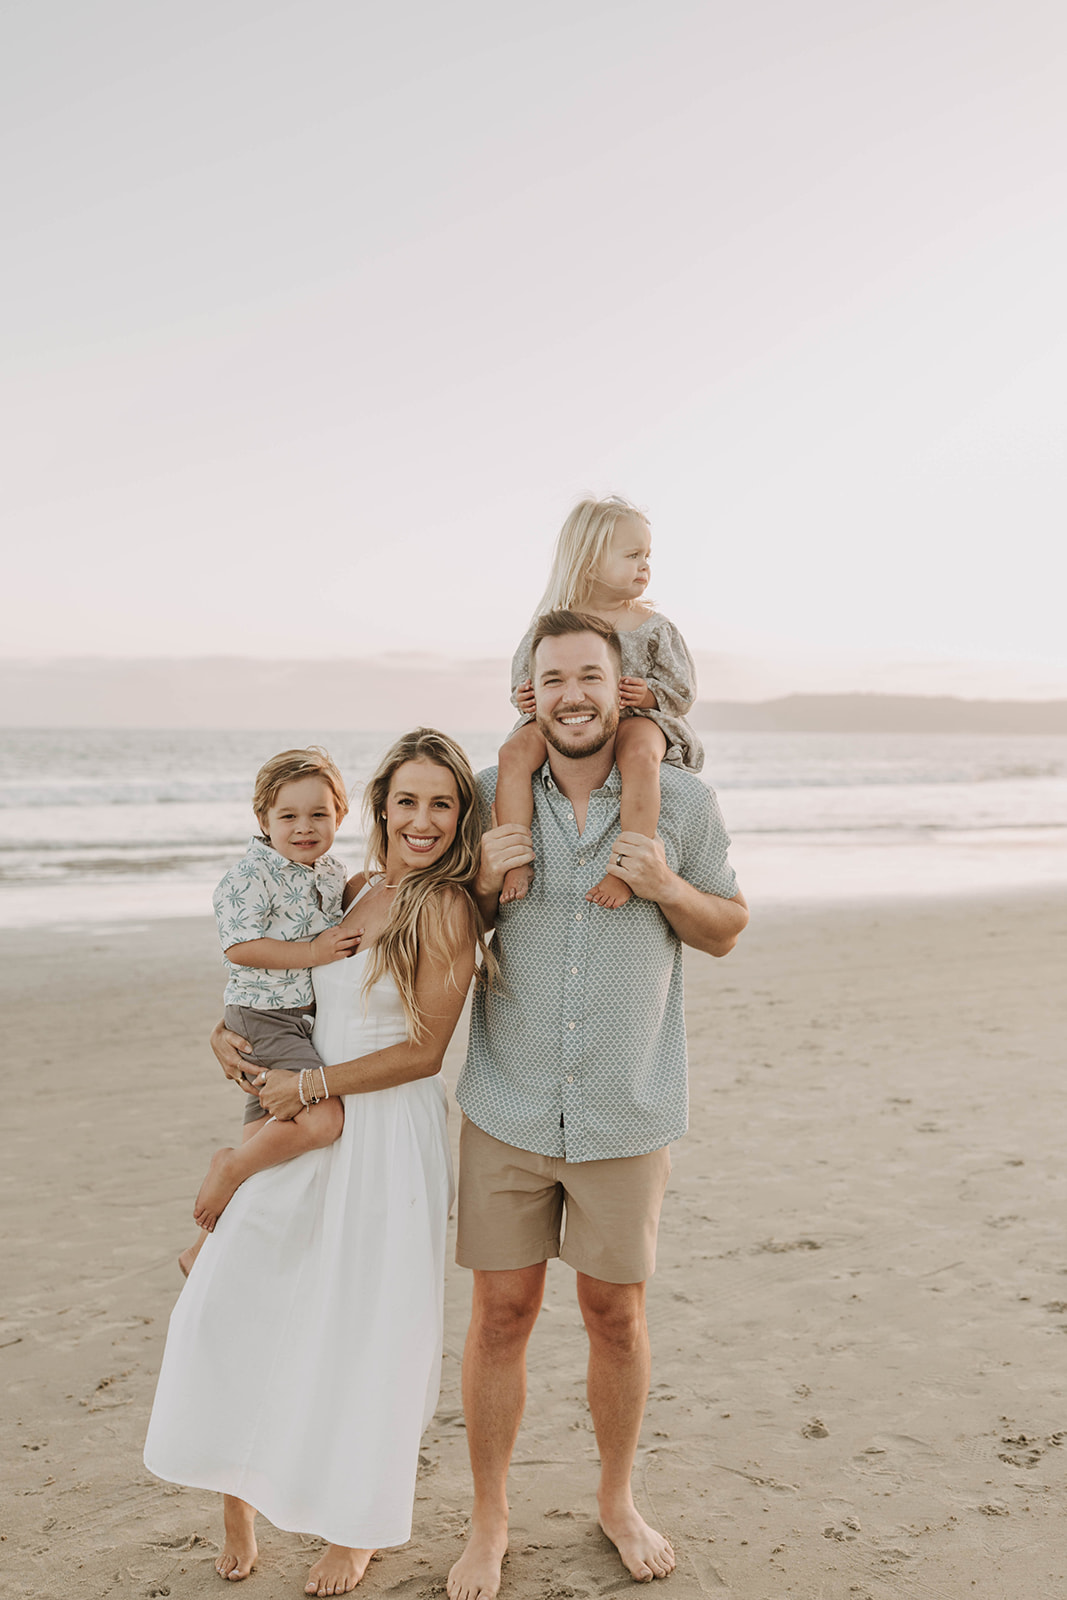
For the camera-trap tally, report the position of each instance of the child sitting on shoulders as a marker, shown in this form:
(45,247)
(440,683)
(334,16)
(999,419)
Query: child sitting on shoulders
(277,910)
(600,567)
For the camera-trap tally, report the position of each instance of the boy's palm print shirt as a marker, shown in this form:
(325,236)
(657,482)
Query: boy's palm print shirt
(267,896)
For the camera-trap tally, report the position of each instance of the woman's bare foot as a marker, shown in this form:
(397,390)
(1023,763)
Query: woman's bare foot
(610,892)
(239,1551)
(645,1553)
(187,1257)
(217,1189)
(338,1570)
(476,1575)
(517,881)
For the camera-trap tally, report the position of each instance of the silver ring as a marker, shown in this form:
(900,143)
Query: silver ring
(618,861)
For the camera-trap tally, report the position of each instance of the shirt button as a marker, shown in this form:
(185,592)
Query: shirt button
(581,861)
(574,972)
(571,1026)
(577,916)
(570,1078)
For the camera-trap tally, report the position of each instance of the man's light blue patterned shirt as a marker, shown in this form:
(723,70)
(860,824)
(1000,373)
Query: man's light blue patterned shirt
(578,1050)
(267,896)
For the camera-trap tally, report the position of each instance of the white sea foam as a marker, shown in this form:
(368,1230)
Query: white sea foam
(102,826)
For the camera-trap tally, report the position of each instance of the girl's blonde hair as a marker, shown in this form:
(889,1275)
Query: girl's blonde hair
(437,901)
(579,550)
(287,767)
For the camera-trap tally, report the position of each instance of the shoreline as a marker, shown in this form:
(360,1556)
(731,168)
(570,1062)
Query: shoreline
(856,1318)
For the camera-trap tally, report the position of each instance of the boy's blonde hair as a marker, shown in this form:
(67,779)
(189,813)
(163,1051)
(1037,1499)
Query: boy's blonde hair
(579,550)
(289,765)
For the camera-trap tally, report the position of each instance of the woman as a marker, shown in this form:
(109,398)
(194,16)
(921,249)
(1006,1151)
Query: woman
(303,1359)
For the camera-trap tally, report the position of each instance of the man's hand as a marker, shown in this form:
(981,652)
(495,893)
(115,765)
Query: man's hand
(635,692)
(502,848)
(526,699)
(232,1053)
(279,1092)
(641,862)
(333,944)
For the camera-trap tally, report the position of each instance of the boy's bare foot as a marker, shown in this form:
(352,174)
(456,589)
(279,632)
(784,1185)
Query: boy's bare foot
(217,1189)
(187,1257)
(476,1575)
(338,1570)
(645,1553)
(239,1551)
(517,881)
(610,892)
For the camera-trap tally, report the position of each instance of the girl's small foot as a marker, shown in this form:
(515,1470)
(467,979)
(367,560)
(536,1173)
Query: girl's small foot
(610,892)
(338,1570)
(217,1189)
(516,883)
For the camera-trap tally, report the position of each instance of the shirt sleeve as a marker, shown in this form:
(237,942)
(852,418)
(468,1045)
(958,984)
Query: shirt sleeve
(333,889)
(672,673)
(520,666)
(703,857)
(243,906)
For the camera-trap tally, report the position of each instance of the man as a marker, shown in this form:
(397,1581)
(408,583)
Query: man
(575,1083)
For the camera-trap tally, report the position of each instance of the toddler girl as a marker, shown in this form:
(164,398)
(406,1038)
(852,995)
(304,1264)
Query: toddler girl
(600,567)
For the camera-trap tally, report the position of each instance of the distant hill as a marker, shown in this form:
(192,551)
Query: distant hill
(879,713)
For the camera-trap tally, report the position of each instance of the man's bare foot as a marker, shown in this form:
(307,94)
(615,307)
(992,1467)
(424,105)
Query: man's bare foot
(239,1551)
(338,1570)
(217,1189)
(645,1553)
(476,1575)
(517,881)
(610,892)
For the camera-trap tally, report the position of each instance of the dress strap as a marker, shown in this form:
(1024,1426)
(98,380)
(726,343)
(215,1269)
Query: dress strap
(358,898)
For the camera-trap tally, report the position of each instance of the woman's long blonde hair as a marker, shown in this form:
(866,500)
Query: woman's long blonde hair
(437,901)
(579,550)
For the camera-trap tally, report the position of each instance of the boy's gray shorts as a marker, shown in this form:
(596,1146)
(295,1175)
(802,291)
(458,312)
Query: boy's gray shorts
(278,1038)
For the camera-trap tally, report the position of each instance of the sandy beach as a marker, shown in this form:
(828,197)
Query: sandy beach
(860,1372)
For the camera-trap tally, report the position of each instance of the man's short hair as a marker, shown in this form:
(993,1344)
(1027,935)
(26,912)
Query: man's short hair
(557,624)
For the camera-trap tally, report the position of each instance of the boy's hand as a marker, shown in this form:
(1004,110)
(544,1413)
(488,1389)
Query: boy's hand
(233,1052)
(525,698)
(635,692)
(333,944)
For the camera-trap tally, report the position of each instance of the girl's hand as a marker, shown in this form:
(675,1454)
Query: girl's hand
(333,944)
(635,692)
(526,699)
(279,1092)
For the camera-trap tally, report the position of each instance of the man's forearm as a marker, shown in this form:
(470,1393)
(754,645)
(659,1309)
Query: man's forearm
(703,921)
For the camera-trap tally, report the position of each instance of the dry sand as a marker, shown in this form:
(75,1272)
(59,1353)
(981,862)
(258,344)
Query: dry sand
(858,1321)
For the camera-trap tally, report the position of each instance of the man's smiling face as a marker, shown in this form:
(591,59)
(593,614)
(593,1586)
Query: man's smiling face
(576,687)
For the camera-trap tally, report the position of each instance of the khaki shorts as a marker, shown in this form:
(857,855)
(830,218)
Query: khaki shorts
(279,1039)
(512,1203)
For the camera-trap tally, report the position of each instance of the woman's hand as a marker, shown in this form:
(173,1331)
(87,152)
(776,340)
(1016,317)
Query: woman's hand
(635,692)
(232,1053)
(525,699)
(279,1092)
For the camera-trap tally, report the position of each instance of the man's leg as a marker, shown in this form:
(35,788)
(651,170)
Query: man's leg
(503,1312)
(619,1365)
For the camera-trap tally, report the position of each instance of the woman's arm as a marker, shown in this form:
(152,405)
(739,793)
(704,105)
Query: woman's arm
(440,992)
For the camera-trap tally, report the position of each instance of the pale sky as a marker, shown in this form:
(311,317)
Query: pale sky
(318,317)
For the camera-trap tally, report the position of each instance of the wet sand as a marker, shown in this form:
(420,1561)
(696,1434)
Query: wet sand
(860,1371)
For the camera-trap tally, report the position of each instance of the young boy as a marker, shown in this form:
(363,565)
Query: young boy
(276,911)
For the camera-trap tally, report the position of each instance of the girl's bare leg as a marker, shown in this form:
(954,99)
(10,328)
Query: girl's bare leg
(187,1257)
(279,1141)
(239,1550)
(640,746)
(338,1570)
(521,755)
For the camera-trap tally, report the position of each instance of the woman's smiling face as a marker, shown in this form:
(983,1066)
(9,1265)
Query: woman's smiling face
(421,817)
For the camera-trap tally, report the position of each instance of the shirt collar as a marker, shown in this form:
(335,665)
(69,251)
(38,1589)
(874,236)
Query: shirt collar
(260,847)
(612,783)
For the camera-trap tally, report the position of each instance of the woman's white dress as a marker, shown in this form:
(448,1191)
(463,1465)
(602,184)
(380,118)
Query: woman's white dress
(304,1353)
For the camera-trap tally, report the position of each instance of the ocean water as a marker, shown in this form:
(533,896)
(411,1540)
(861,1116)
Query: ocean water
(106,826)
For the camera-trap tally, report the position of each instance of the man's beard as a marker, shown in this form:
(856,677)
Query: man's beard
(608,728)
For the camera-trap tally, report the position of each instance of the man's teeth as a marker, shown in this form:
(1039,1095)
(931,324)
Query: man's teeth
(586,716)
